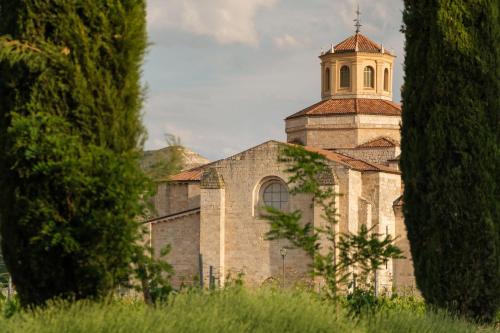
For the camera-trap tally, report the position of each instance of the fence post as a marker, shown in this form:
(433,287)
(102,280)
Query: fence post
(200,269)
(211,277)
(9,289)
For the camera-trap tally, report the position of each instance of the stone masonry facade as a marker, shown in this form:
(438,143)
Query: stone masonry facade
(212,215)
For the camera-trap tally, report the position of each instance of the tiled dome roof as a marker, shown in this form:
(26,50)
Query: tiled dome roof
(357,43)
(351,106)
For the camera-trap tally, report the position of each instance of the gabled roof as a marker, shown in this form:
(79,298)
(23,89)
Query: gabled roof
(351,106)
(193,174)
(174,216)
(382,142)
(357,43)
(352,163)
(189,175)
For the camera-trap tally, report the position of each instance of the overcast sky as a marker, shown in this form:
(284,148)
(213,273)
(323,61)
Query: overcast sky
(223,74)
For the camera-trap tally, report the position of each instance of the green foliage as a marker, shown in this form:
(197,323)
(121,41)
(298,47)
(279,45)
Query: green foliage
(154,274)
(10,307)
(450,152)
(228,310)
(284,225)
(363,303)
(70,133)
(333,256)
(234,282)
(367,251)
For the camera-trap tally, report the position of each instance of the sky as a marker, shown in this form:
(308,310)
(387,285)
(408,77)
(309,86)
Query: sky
(223,74)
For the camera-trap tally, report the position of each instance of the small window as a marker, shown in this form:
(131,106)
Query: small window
(327,79)
(345,77)
(275,195)
(386,79)
(369,77)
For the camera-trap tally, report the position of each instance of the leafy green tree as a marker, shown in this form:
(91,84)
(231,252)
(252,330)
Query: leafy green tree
(450,157)
(333,255)
(153,274)
(70,135)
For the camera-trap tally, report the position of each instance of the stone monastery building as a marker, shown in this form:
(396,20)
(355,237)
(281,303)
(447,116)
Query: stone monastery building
(215,209)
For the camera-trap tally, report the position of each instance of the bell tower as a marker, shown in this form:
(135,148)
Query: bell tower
(356,110)
(356,68)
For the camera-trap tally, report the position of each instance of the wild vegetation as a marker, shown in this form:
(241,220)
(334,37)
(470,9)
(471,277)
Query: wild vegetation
(450,158)
(234,310)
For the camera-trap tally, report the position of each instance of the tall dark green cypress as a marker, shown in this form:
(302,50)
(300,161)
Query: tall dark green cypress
(450,157)
(70,139)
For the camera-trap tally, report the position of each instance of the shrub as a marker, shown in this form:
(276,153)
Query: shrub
(71,133)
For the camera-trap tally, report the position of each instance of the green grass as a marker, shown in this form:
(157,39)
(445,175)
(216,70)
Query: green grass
(230,310)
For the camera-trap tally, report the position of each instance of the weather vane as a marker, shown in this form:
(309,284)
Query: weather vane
(358,20)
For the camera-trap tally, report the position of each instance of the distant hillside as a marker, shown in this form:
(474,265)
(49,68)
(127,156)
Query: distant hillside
(160,164)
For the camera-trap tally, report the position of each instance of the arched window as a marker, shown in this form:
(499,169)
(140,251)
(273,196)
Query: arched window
(369,77)
(275,195)
(386,79)
(327,79)
(345,77)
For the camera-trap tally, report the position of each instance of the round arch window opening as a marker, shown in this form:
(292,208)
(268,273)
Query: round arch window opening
(276,195)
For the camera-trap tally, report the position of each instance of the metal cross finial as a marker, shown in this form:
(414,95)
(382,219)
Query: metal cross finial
(358,20)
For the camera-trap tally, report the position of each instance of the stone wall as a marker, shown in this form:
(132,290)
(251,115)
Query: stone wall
(381,190)
(389,190)
(183,234)
(171,198)
(246,249)
(368,134)
(341,131)
(373,155)
(327,138)
(404,278)
(213,232)
(229,230)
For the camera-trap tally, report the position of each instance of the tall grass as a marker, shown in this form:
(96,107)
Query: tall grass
(230,310)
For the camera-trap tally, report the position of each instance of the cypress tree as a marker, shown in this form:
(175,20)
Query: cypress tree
(450,152)
(70,138)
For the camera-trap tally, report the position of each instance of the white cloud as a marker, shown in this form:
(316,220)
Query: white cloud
(231,98)
(286,41)
(227,21)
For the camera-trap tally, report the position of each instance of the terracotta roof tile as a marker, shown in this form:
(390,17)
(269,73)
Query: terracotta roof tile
(193,174)
(358,43)
(196,173)
(188,175)
(351,162)
(351,106)
(364,44)
(382,142)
